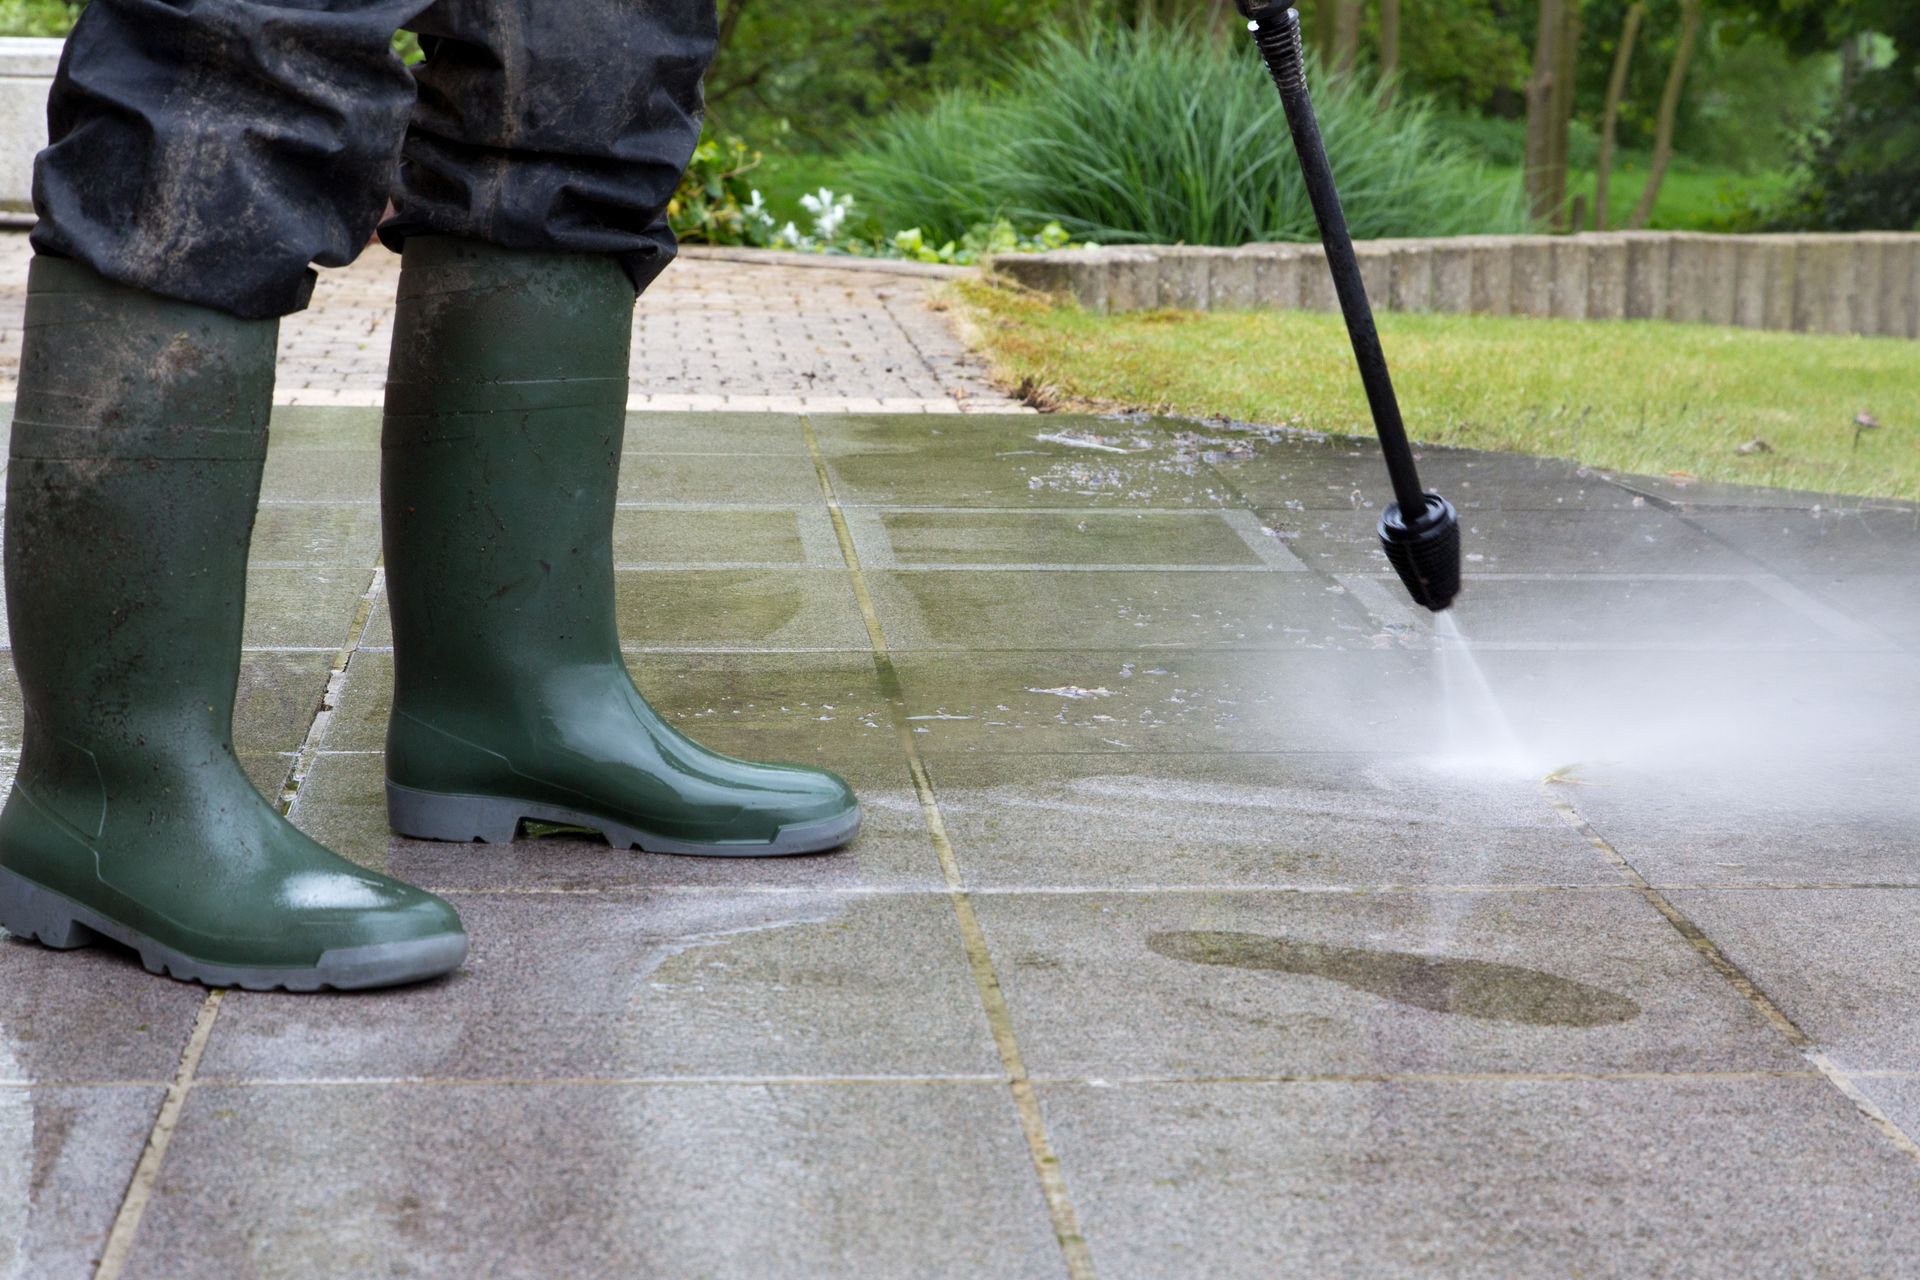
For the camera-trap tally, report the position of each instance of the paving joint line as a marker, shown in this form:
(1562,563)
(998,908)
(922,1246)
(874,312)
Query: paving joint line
(84,1084)
(1053,1184)
(643,887)
(987,1081)
(639,888)
(146,1174)
(309,751)
(595,1082)
(1737,978)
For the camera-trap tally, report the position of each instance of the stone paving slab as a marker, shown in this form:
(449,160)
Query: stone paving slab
(1216,820)
(1225,984)
(615,986)
(1844,818)
(1839,962)
(1669,1177)
(1197,927)
(666,1181)
(66,1154)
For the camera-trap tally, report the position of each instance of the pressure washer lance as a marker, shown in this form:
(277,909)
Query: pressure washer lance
(1424,548)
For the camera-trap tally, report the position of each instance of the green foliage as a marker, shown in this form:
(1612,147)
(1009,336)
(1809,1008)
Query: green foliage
(1503,142)
(1750,99)
(1156,135)
(1860,171)
(1861,167)
(715,204)
(1746,95)
(37,17)
(827,67)
(1468,55)
(982,241)
(1692,198)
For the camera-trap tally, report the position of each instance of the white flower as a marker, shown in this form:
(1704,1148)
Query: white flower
(829,213)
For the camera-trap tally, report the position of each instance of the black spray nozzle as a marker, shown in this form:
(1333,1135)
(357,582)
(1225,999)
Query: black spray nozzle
(1425,549)
(1425,552)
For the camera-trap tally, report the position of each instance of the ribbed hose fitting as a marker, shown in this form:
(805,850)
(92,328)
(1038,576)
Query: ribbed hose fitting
(1279,42)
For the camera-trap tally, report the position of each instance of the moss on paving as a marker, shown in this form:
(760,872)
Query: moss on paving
(1722,404)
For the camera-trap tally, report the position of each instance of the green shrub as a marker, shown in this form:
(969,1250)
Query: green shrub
(715,204)
(1502,143)
(37,17)
(1858,172)
(1164,135)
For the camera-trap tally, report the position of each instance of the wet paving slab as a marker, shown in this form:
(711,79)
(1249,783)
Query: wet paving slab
(1508,540)
(1846,818)
(613,986)
(67,1154)
(1310,821)
(1226,984)
(1839,962)
(701,1179)
(1205,920)
(1483,1178)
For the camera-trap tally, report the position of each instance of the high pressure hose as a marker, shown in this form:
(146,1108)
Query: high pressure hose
(1424,547)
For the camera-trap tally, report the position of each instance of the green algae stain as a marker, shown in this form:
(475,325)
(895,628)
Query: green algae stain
(1475,988)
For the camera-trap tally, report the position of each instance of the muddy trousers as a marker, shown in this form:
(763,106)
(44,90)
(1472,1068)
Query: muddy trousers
(211,150)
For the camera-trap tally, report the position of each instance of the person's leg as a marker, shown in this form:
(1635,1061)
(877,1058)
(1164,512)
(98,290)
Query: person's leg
(506,407)
(137,445)
(556,125)
(212,151)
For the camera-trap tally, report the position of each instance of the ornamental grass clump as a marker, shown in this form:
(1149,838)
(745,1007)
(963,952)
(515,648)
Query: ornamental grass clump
(1167,135)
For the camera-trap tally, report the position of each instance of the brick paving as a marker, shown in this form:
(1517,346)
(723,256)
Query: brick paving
(713,334)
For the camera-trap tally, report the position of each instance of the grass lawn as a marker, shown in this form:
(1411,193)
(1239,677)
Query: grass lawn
(1632,396)
(1690,199)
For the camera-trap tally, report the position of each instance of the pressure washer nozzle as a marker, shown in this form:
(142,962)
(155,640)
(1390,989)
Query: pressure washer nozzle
(1425,552)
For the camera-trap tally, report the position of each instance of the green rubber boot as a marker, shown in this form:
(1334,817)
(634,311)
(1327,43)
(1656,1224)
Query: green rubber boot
(137,449)
(506,406)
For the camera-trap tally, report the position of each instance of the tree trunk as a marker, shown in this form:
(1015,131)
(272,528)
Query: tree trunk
(1541,200)
(1669,109)
(1346,35)
(1561,125)
(1849,65)
(1389,43)
(1610,121)
(728,22)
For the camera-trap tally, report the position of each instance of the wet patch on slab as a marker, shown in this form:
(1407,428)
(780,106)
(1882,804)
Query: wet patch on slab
(1476,988)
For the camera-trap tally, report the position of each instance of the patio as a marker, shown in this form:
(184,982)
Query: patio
(1203,923)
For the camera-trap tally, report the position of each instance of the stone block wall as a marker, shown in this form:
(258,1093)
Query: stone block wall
(1864,283)
(26,73)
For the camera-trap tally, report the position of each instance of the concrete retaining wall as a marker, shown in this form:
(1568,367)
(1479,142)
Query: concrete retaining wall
(1865,283)
(26,73)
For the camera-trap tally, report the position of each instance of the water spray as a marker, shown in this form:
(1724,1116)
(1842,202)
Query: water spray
(1420,531)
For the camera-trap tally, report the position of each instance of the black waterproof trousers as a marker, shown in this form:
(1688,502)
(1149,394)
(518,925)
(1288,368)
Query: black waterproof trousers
(211,150)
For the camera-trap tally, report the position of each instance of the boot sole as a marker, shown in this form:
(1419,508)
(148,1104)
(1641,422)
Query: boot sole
(432,815)
(29,910)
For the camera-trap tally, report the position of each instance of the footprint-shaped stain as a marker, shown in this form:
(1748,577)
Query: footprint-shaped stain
(1476,988)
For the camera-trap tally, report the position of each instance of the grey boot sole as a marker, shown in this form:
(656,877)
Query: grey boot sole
(28,910)
(429,815)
